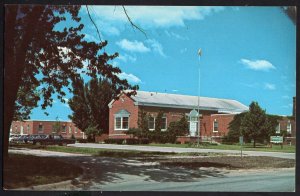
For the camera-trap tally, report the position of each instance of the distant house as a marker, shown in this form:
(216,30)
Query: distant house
(45,127)
(215,114)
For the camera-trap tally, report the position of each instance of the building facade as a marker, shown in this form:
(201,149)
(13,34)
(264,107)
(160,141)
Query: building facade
(46,127)
(215,114)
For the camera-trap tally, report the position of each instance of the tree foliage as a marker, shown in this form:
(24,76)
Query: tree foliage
(234,129)
(92,131)
(37,53)
(256,124)
(90,102)
(142,131)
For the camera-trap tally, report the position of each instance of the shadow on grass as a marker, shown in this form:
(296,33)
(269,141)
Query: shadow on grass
(25,171)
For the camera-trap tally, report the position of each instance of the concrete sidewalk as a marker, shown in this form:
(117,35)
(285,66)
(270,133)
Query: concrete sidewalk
(181,150)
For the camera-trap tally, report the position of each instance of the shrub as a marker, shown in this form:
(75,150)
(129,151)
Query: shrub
(114,141)
(82,140)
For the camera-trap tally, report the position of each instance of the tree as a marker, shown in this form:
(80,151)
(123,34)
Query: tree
(90,102)
(255,124)
(234,129)
(143,129)
(57,126)
(33,47)
(91,132)
(177,128)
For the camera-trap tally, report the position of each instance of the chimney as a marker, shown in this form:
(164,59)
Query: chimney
(294,106)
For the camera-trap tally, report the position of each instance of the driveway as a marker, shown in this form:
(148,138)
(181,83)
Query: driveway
(180,150)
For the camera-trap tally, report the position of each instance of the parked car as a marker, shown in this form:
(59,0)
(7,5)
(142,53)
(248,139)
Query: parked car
(13,137)
(53,140)
(20,139)
(30,138)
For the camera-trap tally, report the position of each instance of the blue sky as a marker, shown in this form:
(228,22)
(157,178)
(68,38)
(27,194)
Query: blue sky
(248,53)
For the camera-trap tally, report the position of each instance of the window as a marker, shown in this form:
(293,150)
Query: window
(122,120)
(118,123)
(70,129)
(40,128)
(75,129)
(151,123)
(28,128)
(64,129)
(125,123)
(289,127)
(278,128)
(164,123)
(216,126)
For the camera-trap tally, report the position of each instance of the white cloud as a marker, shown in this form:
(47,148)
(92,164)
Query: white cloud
(156,46)
(151,16)
(133,46)
(129,77)
(269,86)
(126,57)
(175,35)
(258,65)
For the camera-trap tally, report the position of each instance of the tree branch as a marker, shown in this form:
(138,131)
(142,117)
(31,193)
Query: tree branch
(93,23)
(132,24)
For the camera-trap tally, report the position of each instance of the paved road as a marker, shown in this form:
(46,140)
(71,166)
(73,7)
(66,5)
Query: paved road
(266,181)
(179,150)
(134,174)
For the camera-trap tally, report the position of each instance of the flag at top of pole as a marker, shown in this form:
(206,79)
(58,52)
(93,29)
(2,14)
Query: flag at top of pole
(200,52)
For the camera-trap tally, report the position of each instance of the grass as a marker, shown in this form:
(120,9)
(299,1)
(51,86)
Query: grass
(25,171)
(113,153)
(247,147)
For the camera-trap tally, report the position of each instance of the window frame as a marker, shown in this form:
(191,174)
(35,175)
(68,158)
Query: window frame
(121,114)
(154,118)
(277,131)
(166,125)
(214,130)
(41,130)
(121,123)
(289,127)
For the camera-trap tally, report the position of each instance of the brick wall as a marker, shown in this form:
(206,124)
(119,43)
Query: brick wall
(32,127)
(126,103)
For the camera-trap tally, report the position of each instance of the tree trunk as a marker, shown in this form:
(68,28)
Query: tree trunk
(15,55)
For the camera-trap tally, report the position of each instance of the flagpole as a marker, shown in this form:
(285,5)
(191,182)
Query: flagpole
(198,139)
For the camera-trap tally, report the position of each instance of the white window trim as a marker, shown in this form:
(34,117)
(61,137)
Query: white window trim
(289,127)
(121,129)
(64,129)
(278,130)
(154,124)
(161,129)
(166,124)
(215,131)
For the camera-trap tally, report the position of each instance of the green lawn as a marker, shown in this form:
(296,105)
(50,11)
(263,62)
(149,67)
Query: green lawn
(246,147)
(112,152)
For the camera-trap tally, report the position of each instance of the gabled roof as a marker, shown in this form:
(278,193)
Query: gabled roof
(187,102)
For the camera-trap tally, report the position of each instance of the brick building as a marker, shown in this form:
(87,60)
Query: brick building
(45,127)
(215,114)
